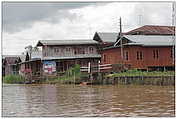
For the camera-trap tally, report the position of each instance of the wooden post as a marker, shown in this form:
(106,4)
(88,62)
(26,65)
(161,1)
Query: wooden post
(89,68)
(164,69)
(74,78)
(99,66)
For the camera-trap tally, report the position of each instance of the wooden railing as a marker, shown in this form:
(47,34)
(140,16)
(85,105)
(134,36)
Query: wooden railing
(96,68)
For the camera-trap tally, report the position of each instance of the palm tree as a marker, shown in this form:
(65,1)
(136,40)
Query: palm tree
(29,50)
(35,48)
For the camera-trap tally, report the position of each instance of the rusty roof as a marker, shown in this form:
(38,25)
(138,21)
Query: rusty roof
(152,30)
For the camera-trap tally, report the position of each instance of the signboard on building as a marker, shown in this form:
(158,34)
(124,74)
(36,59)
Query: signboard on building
(49,67)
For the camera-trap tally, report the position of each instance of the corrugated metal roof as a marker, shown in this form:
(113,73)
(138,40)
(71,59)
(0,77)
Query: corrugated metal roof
(147,40)
(4,56)
(11,59)
(151,40)
(152,30)
(108,37)
(67,42)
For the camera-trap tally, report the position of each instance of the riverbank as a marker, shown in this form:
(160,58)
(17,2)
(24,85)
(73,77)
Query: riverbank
(71,76)
(141,78)
(13,79)
(74,76)
(141,73)
(134,77)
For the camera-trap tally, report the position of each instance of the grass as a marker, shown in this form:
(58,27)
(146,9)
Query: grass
(141,73)
(71,75)
(13,79)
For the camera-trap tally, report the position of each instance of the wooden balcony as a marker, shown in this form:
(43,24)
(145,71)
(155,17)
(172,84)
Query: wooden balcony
(72,56)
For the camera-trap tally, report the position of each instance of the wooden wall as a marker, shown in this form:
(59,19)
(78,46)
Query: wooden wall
(150,56)
(67,51)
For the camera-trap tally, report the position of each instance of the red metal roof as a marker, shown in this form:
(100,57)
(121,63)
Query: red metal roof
(152,30)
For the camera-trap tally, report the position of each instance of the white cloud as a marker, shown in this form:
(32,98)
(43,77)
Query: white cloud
(86,21)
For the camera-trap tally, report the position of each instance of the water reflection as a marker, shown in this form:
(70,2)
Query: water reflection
(75,100)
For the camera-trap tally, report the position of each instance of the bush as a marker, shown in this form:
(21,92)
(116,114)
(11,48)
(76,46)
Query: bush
(136,72)
(14,79)
(70,74)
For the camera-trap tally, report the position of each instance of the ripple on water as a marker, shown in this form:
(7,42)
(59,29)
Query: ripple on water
(88,101)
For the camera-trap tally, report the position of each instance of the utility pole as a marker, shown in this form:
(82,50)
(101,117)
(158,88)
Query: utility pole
(120,34)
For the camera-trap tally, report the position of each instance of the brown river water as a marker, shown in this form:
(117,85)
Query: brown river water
(82,101)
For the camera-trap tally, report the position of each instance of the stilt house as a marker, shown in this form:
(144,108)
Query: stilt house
(60,55)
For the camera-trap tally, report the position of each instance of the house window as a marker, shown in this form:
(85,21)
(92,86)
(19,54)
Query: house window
(104,58)
(79,50)
(75,51)
(139,55)
(155,54)
(68,49)
(172,53)
(91,49)
(45,54)
(126,55)
(82,51)
(56,50)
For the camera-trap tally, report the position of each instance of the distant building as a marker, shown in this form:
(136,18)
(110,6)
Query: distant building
(31,64)
(60,55)
(10,64)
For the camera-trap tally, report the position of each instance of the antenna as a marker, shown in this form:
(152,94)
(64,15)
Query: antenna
(140,16)
(120,26)
(89,30)
(140,19)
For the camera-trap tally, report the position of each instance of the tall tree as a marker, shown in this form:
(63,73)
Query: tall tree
(29,50)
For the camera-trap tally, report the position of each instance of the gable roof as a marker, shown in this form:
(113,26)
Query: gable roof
(66,42)
(152,30)
(146,40)
(109,37)
(150,40)
(12,59)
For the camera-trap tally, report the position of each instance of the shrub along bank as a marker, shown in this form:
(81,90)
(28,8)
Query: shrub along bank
(14,79)
(141,78)
(141,73)
(73,75)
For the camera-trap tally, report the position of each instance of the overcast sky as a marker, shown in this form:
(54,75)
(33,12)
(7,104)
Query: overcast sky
(26,23)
